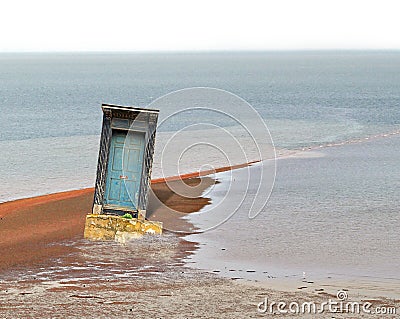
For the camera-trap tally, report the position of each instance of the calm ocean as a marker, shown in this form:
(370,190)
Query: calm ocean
(327,213)
(51,117)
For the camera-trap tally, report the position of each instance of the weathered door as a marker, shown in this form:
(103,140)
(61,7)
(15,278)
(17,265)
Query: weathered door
(124,170)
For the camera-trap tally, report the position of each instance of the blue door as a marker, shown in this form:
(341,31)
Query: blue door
(124,170)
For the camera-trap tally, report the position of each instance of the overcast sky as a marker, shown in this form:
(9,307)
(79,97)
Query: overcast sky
(127,25)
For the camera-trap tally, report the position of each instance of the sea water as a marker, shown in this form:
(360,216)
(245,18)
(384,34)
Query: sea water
(333,215)
(50,103)
(331,211)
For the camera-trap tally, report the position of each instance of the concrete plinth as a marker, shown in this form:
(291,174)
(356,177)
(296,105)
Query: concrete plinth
(109,227)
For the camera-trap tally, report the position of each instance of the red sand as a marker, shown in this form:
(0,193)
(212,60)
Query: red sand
(202,173)
(33,229)
(9,207)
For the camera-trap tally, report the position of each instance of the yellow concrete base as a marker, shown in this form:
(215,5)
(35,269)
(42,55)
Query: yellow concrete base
(109,227)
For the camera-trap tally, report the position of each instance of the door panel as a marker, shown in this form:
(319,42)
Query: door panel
(117,158)
(124,169)
(115,189)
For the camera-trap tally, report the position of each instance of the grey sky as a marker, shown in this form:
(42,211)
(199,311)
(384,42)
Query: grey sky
(123,25)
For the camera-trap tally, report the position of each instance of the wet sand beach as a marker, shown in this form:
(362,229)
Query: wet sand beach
(49,271)
(33,228)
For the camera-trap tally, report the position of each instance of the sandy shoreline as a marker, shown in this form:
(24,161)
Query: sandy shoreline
(59,217)
(48,270)
(32,228)
(146,278)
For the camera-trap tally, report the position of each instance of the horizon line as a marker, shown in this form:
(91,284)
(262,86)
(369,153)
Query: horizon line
(204,51)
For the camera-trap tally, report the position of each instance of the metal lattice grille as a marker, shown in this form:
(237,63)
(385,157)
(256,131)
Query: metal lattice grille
(148,162)
(103,159)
